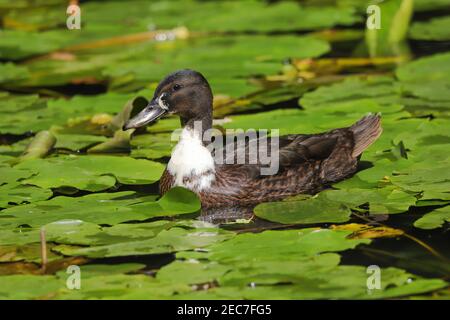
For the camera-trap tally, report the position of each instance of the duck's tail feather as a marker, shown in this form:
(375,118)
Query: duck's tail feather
(365,132)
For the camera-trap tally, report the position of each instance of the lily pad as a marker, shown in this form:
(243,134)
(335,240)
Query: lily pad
(299,260)
(102,208)
(386,200)
(433,69)
(281,244)
(28,286)
(167,241)
(313,210)
(240,56)
(11,72)
(16,193)
(151,146)
(436,29)
(434,219)
(90,173)
(77,142)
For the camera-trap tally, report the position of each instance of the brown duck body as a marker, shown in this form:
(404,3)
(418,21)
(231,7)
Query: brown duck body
(307,164)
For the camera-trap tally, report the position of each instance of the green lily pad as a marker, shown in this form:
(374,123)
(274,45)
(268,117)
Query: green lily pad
(97,282)
(9,174)
(195,15)
(151,146)
(16,193)
(15,149)
(28,113)
(11,72)
(77,142)
(295,258)
(433,69)
(436,29)
(381,89)
(288,244)
(345,282)
(384,90)
(102,208)
(78,232)
(383,200)
(167,241)
(28,286)
(91,173)
(191,272)
(240,56)
(12,192)
(17,44)
(434,219)
(312,210)
(421,178)
(25,114)
(333,206)
(90,105)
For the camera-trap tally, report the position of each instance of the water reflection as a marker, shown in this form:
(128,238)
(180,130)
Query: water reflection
(226,215)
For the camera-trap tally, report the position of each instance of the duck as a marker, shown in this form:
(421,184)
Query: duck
(307,163)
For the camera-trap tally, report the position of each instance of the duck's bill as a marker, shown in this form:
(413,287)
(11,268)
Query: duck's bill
(150,113)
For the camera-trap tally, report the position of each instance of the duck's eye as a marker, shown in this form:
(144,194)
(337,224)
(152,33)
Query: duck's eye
(176,87)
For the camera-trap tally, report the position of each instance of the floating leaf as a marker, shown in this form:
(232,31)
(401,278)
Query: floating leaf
(102,208)
(436,29)
(76,142)
(288,244)
(16,193)
(296,259)
(313,210)
(240,56)
(433,69)
(28,286)
(11,72)
(10,174)
(152,146)
(384,200)
(167,241)
(91,173)
(434,219)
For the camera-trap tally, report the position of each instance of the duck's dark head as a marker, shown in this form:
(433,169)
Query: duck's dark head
(185,93)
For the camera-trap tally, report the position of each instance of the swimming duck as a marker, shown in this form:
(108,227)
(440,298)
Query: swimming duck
(307,163)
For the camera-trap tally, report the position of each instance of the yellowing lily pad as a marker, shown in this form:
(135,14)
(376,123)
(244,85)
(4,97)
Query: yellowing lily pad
(363,231)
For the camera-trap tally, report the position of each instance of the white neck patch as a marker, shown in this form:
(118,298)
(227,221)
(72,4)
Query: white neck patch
(191,160)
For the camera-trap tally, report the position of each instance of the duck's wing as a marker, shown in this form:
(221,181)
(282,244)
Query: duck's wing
(337,147)
(292,150)
(307,148)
